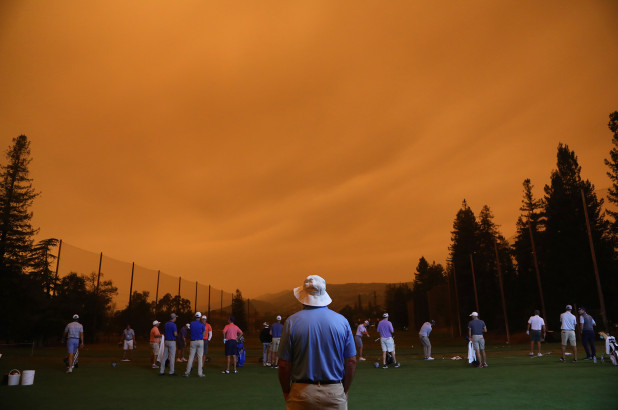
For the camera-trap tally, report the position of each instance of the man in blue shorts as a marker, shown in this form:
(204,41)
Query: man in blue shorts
(74,335)
(317,353)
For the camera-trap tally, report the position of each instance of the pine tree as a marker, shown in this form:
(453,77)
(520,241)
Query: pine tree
(239,311)
(16,198)
(567,260)
(612,163)
(40,260)
(464,242)
(530,222)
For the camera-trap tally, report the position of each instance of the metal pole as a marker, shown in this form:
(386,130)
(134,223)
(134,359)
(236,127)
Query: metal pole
(536,268)
(594,262)
(131,289)
(99,276)
(506,320)
(195,303)
(476,296)
(221,310)
(178,304)
(208,300)
(248,314)
(157,292)
(457,300)
(57,265)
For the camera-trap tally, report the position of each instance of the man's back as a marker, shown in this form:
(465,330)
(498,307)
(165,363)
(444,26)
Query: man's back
(385,328)
(567,321)
(317,341)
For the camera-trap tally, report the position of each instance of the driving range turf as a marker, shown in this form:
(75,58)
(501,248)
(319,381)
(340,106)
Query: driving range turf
(513,380)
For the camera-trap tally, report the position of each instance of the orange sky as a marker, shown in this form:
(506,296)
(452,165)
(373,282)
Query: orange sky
(249,144)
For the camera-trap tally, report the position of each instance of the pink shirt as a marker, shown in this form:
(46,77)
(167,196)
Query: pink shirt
(231,331)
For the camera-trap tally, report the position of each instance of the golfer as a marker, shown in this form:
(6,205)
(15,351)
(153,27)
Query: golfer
(196,347)
(231,333)
(476,328)
(361,330)
(317,358)
(128,341)
(385,329)
(275,331)
(568,321)
(155,340)
(266,340)
(537,332)
(74,336)
(423,334)
(586,326)
(169,350)
(207,337)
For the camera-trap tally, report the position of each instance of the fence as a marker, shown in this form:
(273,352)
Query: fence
(129,277)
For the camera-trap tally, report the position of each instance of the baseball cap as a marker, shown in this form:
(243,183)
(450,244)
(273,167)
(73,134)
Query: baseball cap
(474,314)
(188,325)
(76,316)
(433,322)
(569,307)
(156,322)
(198,314)
(366,322)
(278,317)
(385,315)
(582,308)
(203,317)
(173,316)
(265,324)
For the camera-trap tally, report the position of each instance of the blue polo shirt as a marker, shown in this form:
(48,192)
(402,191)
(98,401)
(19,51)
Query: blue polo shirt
(170,328)
(197,330)
(317,341)
(276,329)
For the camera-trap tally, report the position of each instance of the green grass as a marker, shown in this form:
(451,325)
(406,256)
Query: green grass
(512,381)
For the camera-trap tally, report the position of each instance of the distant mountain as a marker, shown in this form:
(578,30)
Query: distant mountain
(284,303)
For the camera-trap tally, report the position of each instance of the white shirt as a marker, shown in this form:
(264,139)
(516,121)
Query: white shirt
(567,321)
(536,322)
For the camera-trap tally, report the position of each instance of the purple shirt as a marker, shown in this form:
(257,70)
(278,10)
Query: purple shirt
(385,328)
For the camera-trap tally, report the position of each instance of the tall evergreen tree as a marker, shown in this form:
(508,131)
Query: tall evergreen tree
(40,261)
(612,163)
(239,310)
(566,255)
(16,197)
(464,242)
(486,268)
(530,221)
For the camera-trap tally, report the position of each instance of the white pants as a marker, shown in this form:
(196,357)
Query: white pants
(169,351)
(197,346)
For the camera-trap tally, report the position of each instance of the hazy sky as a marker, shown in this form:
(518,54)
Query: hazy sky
(249,144)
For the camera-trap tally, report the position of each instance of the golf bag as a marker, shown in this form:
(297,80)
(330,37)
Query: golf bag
(241,355)
(472,359)
(389,358)
(611,348)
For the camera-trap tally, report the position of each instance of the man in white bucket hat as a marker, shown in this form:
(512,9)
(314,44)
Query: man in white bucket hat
(74,335)
(317,357)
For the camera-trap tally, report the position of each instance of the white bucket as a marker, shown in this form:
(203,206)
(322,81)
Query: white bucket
(27,377)
(14,378)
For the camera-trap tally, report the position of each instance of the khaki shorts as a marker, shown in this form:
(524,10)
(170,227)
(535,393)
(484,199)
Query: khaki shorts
(388,344)
(128,344)
(155,347)
(275,344)
(568,336)
(478,342)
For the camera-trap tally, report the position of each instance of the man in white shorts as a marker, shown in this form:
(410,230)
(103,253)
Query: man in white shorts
(128,340)
(385,329)
(568,321)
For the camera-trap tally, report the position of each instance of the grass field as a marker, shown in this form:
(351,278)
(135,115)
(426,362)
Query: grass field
(512,381)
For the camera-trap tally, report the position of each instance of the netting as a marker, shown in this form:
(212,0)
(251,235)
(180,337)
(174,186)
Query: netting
(202,297)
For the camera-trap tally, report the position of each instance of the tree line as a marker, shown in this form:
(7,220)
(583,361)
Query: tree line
(550,262)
